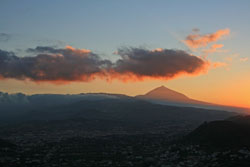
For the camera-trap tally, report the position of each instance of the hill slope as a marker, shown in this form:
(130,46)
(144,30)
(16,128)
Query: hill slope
(131,110)
(230,133)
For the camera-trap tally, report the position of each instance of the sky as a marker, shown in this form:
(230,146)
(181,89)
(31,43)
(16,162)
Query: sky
(199,48)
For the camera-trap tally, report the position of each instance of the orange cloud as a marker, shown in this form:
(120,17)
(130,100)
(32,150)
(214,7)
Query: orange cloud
(61,66)
(53,65)
(213,48)
(79,51)
(218,64)
(244,59)
(131,77)
(196,40)
(138,64)
(157,50)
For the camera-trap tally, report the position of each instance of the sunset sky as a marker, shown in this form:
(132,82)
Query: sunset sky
(199,48)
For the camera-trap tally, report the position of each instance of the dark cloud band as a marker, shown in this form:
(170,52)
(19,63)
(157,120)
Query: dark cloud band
(61,64)
(4,37)
(69,64)
(163,63)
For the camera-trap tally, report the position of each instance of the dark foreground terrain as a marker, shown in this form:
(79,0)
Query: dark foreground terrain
(51,144)
(119,150)
(116,130)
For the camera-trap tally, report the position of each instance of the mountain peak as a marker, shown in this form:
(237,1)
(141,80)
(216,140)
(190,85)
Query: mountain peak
(164,93)
(161,88)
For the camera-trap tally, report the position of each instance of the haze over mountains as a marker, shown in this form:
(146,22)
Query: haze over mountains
(15,103)
(160,104)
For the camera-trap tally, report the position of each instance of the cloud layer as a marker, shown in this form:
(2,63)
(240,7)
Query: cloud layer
(51,64)
(70,64)
(197,40)
(4,37)
(141,63)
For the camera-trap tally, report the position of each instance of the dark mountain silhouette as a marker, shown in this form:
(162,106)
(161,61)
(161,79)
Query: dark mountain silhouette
(166,96)
(128,114)
(245,120)
(101,106)
(230,133)
(13,106)
(128,110)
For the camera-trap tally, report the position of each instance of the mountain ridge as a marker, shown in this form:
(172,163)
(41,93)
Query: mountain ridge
(166,96)
(160,95)
(229,133)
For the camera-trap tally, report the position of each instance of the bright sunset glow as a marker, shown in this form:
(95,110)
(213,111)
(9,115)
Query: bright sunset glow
(69,49)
